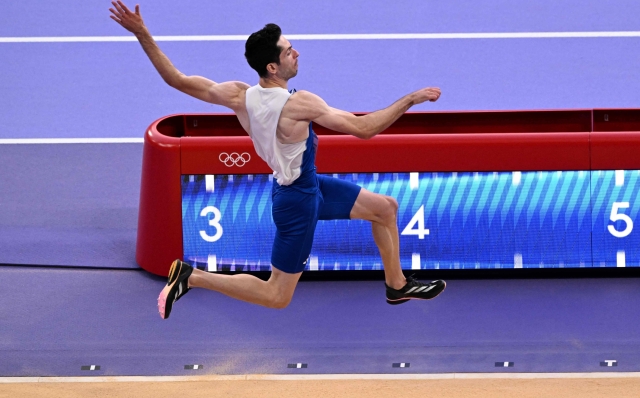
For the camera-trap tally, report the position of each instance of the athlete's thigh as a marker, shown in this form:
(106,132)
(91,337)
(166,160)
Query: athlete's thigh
(338,198)
(372,206)
(295,215)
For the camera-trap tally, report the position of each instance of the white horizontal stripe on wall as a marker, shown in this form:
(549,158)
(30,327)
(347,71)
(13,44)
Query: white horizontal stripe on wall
(332,36)
(8,141)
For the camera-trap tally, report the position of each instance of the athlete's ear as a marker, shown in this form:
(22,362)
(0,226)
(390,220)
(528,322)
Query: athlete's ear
(272,68)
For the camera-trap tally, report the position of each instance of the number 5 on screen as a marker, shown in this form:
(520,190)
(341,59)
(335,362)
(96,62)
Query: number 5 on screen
(615,216)
(214,222)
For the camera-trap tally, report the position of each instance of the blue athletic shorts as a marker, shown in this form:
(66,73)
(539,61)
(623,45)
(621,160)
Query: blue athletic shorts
(296,214)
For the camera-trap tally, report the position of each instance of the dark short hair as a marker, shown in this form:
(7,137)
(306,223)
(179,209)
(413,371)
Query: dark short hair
(262,48)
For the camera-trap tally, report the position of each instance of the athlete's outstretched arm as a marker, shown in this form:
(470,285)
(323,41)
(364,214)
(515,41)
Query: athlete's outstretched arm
(226,94)
(309,106)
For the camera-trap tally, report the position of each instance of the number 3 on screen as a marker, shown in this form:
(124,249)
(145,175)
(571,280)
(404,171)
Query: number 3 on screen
(615,216)
(214,222)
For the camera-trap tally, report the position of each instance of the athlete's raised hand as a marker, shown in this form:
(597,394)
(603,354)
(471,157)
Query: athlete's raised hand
(426,94)
(131,21)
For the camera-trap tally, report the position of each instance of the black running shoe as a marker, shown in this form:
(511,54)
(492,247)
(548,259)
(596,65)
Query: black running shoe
(177,286)
(414,290)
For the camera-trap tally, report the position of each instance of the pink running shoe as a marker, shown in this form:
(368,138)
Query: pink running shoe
(177,286)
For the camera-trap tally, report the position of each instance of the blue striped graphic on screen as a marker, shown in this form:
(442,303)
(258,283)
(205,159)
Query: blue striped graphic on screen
(445,220)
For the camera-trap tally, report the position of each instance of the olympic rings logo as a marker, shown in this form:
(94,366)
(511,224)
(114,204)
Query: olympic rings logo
(234,159)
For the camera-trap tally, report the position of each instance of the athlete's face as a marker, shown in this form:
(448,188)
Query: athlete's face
(288,67)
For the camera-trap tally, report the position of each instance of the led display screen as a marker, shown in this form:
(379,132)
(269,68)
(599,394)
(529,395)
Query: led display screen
(551,219)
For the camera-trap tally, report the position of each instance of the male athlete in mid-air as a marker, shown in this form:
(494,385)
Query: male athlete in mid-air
(279,123)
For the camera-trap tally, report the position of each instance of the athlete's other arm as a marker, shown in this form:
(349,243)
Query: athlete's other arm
(226,94)
(309,106)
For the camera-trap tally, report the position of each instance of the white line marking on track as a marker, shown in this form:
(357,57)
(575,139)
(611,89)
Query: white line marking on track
(12,141)
(333,36)
(415,376)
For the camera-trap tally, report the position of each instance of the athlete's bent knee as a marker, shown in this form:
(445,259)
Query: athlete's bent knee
(389,211)
(393,203)
(279,301)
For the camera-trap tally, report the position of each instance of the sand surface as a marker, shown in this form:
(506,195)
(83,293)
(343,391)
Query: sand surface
(583,388)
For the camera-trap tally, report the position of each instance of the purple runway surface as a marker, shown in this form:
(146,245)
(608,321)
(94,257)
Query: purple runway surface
(69,205)
(59,320)
(197,17)
(76,205)
(110,89)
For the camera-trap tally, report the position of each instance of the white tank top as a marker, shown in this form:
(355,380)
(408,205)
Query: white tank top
(264,106)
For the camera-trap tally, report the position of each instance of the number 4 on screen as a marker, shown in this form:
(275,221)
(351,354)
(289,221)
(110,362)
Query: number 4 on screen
(418,219)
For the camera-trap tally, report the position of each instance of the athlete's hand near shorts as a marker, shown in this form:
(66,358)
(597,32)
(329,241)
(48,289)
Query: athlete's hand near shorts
(131,21)
(426,94)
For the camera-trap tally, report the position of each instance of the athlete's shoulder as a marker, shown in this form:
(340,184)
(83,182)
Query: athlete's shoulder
(304,105)
(241,85)
(305,98)
(231,86)
(302,94)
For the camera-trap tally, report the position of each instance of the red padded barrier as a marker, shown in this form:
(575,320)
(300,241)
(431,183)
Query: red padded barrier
(201,125)
(226,125)
(160,212)
(486,122)
(616,120)
(386,153)
(428,142)
(201,155)
(615,142)
(458,152)
(615,150)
